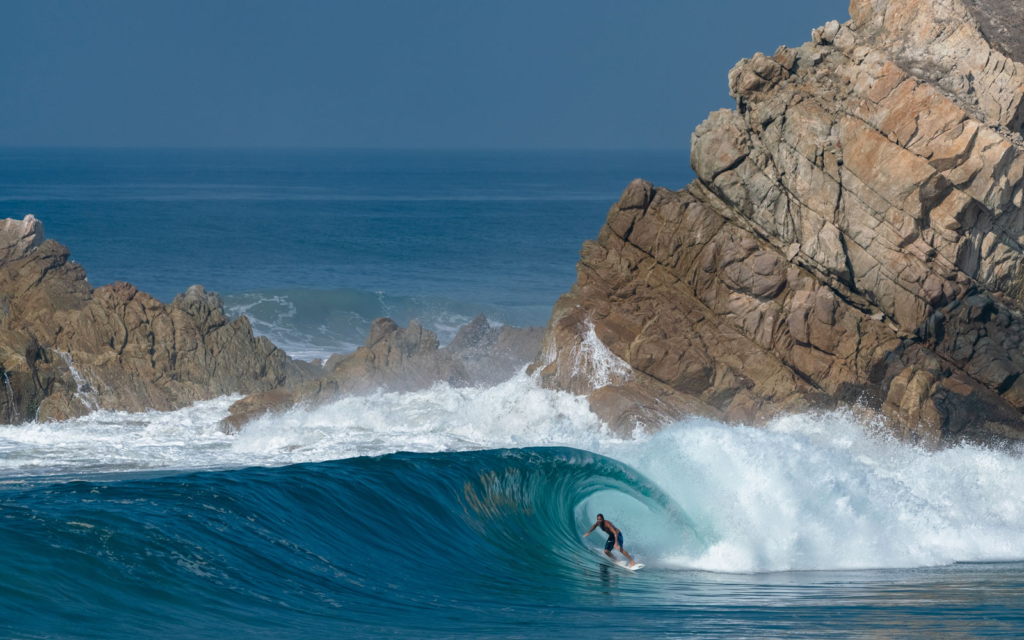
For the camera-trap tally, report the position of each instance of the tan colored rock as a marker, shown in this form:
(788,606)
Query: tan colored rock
(67,349)
(19,237)
(397,359)
(855,235)
(491,355)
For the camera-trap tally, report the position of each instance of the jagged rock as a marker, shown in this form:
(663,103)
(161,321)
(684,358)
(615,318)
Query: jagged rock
(67,349)
(18,237)
(854,236)
(396,359)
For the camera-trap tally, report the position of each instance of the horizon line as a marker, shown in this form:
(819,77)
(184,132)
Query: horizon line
(329,148)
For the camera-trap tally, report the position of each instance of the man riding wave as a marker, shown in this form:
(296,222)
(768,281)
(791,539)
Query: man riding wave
(614,538)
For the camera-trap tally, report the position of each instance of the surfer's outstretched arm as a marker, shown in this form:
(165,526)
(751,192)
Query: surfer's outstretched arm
(591,530)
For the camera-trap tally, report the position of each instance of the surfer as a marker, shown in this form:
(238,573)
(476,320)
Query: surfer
(614,538)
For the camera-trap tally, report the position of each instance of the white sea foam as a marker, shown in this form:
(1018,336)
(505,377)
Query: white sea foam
(517,413)
(807,492)
(823,492)
(275,316)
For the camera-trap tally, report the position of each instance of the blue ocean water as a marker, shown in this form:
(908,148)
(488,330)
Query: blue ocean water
(313,245)
(450,513)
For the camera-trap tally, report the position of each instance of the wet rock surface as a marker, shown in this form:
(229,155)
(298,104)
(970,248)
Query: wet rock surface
(854,237)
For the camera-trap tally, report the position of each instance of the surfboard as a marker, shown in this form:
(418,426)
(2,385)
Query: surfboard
(625,565)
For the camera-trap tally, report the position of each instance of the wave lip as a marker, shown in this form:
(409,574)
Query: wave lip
(805,493)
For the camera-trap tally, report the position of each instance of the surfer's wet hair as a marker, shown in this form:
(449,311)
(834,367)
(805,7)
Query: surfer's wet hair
(600,516)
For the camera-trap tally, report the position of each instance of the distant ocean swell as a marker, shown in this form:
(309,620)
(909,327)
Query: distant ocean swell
(314,323)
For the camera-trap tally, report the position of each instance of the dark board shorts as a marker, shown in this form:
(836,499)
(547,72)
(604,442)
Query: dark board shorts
(608,546)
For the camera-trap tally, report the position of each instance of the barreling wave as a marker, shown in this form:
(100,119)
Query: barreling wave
(368,542)
(464,533)
(807,492)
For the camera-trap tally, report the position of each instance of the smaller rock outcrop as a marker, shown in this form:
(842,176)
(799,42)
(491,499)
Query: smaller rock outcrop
(410,359)
(67,349)
(395,359)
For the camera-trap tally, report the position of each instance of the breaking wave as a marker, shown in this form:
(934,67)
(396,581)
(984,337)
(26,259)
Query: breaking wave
(808,492)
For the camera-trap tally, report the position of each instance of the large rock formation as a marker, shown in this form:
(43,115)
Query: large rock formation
(396,359)
(854,237)
(67,349)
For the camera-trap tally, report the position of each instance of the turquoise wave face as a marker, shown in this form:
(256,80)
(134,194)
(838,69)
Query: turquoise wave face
(405,543)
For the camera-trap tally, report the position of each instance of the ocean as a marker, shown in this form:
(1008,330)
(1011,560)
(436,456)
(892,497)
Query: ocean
(313,245)
(450,512)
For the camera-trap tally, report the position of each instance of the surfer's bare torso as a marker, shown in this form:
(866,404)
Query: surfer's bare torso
(608,528)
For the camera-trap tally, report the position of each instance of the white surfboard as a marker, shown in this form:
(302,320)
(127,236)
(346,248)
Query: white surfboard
(625,565)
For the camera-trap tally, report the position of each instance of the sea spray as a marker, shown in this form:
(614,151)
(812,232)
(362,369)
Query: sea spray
(820,491)
(310,323)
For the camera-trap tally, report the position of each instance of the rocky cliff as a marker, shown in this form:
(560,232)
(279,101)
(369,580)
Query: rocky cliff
(854,237)
(67,349)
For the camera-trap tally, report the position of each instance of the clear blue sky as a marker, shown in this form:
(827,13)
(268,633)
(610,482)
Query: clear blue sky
(572,74)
